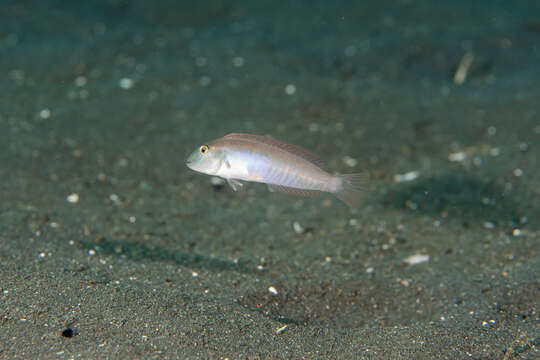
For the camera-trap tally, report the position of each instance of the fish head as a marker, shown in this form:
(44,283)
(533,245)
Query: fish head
(207,159)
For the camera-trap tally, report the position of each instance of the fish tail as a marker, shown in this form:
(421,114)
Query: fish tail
(352,189)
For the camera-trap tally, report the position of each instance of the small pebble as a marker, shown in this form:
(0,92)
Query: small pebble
(494,151)
(349,161)
(411,204)
(282,329)
(200,61)
(272,290)
(80,81)
(416,259)
(126,83)
(123,162)
(457,157)
(299,229)
(290,89)
(205,80)
(408,176)
(238,61)
(73,198)
(45,113)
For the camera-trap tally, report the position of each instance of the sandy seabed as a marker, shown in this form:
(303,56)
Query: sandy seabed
(111,248)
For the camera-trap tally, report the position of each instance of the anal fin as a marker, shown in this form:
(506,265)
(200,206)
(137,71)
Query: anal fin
(293,191)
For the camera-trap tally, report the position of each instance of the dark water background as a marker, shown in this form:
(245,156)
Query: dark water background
(112,248)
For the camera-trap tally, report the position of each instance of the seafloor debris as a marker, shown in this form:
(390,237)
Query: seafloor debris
(298,228)
(416,259)
(73,198)
(282,329)
(272,290)
(408,176)
(463,68)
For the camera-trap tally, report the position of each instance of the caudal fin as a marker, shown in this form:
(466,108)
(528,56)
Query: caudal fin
(354,188)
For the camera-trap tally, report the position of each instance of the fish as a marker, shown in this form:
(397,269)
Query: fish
(283,167)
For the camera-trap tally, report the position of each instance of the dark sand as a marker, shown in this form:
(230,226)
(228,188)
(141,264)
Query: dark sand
(105,101)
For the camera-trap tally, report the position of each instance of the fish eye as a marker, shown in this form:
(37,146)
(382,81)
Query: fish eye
(204,149)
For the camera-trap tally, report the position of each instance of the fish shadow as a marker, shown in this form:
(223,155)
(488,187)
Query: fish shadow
(139,252)
(460,196)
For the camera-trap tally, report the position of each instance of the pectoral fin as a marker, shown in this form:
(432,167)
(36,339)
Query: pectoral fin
(235,184)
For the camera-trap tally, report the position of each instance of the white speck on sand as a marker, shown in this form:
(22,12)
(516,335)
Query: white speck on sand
(299,229)
(457,156)
(45,113)
(272,290)
(126,83)
(80,81)
(349,161)
(205,80)
(290,89)
(408,176)
(282,329)
(416,259)
(73,198)
(238,61)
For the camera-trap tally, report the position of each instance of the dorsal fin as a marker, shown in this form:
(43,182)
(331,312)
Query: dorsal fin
(304,154)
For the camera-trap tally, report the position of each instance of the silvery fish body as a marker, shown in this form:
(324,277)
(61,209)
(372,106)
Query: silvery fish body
(284,167)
